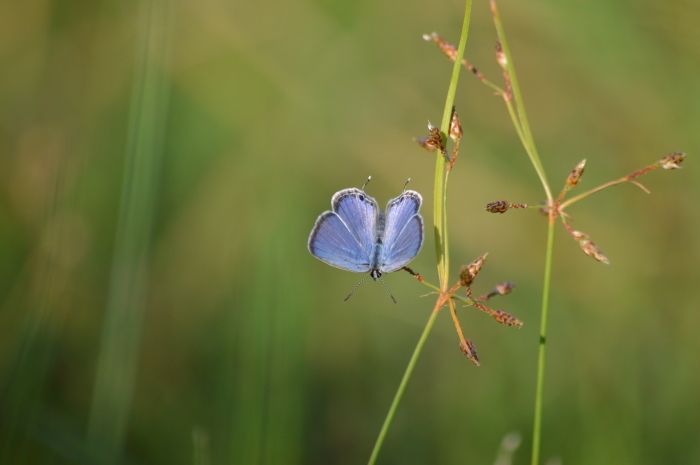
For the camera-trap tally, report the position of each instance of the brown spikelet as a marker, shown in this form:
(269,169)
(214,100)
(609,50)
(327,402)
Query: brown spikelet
(426,143)
(435,137)
(455,126)
(499,206)
(504,288)
(500,56)
(506,318)
(502,206)
(589,248)
(500,289)
(575,175)
(469,272)
(672,161)
(448,49)
(469,350)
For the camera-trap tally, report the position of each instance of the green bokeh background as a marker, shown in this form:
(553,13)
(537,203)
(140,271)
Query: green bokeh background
(158,303)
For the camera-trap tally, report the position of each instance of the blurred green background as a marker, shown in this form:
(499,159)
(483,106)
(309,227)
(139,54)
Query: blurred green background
(162,165)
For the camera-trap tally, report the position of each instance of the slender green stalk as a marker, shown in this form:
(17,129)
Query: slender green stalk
(520,105)
(440,189)
(440,225)
(526,137)
(402,388)
(539,390)
(592,191)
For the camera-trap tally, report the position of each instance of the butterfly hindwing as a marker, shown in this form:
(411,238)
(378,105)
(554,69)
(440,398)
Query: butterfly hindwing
(403,233)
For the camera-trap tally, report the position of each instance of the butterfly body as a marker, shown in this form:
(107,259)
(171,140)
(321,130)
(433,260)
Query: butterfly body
(356,235)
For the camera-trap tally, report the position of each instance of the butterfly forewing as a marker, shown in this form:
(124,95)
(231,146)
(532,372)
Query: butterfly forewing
(332,242)
(359,213)
(403,234)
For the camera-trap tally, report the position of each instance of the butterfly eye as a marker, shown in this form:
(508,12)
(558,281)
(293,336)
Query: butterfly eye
(362,197)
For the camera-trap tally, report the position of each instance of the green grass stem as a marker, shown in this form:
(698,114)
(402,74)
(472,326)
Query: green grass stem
(440,188)
(117,362)
(440,226)
(541,355)
(402,387)
(520,105)
(525,134)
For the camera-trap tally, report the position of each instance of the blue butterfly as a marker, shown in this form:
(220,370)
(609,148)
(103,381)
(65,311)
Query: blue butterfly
(357,236)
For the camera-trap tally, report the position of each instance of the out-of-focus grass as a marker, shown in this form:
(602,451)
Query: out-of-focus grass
(246,344)
(120,341)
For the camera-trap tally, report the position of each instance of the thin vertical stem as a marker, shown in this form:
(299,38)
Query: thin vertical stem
(523,128)
(440,225)
(520,105)
(402,387)
(440,190)
(539,390)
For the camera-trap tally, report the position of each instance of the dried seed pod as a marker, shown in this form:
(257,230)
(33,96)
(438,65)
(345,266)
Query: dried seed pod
(578,235)
(435,137)
(506,318)
(504,288)
(589,248)
(469,272)
(469,350)
(499,206)
(448,49)
(672,161)
(426,143)
(455,126)
(575,175)
(500,56)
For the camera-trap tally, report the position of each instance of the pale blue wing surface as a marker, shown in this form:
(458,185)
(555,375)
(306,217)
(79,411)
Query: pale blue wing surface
(403,233)
(359,213)
(332,242)
(405,247)
(398,212)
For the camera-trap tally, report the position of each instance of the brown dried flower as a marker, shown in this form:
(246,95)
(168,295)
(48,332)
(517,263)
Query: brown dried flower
(672,161)
(506,318)
(499,206)
(469,272)
(426,143)
(575,175)
(455,126)
(447,48)
(504,288)
(435,137)
(500,56)
(469,350)
(589,248)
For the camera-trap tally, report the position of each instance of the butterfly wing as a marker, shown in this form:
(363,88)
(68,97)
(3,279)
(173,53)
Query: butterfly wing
(403,233)
(359,213)
(344,237)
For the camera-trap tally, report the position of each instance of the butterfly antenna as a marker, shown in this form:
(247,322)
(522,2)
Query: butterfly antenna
(404,186)
(387,289)
(355,288)
(363,188)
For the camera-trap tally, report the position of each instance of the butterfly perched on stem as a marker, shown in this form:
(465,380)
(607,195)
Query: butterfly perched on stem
(356,235)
